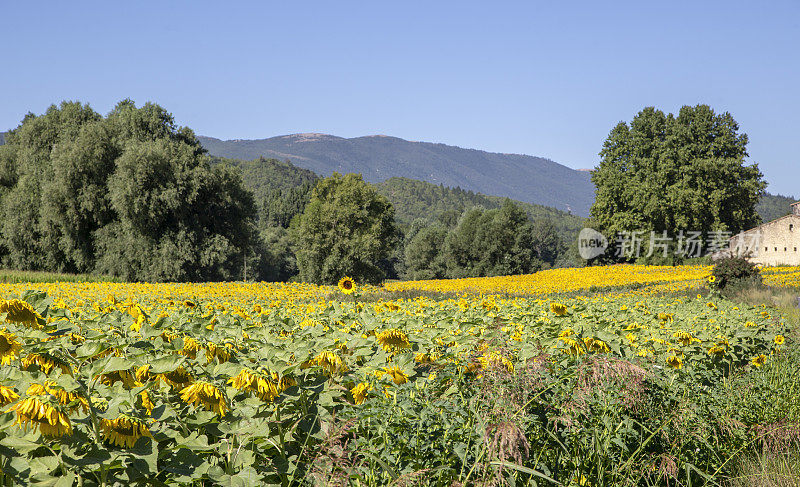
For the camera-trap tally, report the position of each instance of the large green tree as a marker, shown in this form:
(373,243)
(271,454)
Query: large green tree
(347,228)
(665,173)
(130,194)
(500,241)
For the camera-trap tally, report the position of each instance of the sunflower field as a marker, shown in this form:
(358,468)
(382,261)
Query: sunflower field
(596,376)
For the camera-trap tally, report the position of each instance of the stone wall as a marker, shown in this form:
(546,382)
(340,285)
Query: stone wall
(773,243)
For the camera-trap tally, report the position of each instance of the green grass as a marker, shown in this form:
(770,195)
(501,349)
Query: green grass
(10,276)
(768,465)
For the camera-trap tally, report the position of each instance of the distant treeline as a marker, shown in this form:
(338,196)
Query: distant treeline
(133,195)
(431,219)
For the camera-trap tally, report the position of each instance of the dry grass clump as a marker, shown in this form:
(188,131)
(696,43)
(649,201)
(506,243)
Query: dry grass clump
(770,469)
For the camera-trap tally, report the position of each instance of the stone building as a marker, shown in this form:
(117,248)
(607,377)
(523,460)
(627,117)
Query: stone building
(773,243)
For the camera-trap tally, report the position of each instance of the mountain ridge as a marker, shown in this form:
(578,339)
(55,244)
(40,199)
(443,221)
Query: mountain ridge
(526,178)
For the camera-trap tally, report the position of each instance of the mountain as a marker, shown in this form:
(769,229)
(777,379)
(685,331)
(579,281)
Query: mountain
(378,158)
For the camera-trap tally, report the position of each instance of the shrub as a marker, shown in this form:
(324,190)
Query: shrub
(734,271)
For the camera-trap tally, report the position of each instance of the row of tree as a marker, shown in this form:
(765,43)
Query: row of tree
(348,228)
(133,195)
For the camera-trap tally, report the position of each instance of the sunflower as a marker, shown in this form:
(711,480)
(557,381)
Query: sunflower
(346,285)
(190,347)
(146,402)
(9,347)
(50,420)
(675,362)
(426,358)
(123,431)
(143,373)
(45,362)
(360,392)
(18,311)
(329,361)
(596,345)
(178,378)
(573,347)
(758,360)
(397,375)
(393,340)
(717,350)
(558,308)
(685,338)
(7,395)
(221,352)
(70,399)
(244,380)
(207,394)
(128,380)
(494,359)
(779,339)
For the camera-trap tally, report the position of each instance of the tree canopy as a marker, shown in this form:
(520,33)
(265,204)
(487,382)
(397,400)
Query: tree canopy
(666,173)
(130,194)
(346,229)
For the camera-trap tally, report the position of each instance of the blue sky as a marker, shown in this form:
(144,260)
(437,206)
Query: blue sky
(542,78)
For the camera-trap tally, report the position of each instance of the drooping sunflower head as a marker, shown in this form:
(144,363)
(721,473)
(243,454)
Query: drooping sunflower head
(70,400)
(346,285)
(205,394)
(147,403)
(9,347)
(124,430)
(7,395)
(596,345)
(675,362)
(37,412)
(393,340)
(397,375)
(244,380)
(126,377)
(329,360)
(360,392)
(558,309)
(178,378)
(45,362)
(18,311)
(190,347)
(221,352)
(492,359)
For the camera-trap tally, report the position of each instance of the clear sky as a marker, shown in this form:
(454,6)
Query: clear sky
(541,78)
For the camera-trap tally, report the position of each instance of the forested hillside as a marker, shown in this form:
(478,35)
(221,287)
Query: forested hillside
(414,200)
(279,188)
(774,206)
(378,158)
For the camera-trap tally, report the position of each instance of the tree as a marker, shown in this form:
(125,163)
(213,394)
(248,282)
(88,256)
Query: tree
(347,228)
(178,219)
(496,242)
(131,195)
(664,173)
(424,258)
